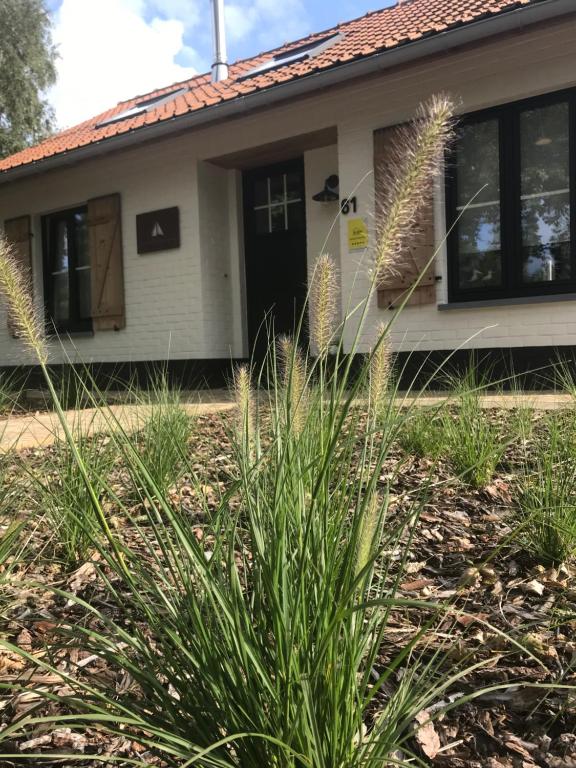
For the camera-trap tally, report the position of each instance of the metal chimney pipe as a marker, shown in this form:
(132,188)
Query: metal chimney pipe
(220,66)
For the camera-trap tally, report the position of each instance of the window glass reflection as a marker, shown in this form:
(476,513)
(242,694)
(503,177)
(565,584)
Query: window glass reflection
(478,206)
(545,193)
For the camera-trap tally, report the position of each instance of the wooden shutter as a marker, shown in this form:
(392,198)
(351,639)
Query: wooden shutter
(107,269)
(414,261)
(18,234)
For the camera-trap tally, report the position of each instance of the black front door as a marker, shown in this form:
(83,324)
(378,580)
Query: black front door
(275,250)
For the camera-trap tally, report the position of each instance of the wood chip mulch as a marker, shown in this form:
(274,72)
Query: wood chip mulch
(505,610)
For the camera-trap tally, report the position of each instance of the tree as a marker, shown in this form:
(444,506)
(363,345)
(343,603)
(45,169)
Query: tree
(27,70)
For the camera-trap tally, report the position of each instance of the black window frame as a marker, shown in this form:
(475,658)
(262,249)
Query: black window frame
(512,287)
(75,323)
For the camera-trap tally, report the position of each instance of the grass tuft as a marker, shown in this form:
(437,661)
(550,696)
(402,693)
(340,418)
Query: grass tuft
(63,496)
(164,436)
(546,516)
(264,642)
(422,433)
(474,443)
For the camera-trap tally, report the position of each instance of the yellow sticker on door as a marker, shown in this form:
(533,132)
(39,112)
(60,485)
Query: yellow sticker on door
(357,234)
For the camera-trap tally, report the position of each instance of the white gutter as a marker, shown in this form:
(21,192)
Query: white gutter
(442,42)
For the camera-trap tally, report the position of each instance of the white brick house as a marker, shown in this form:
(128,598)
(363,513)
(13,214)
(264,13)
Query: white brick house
(242,159)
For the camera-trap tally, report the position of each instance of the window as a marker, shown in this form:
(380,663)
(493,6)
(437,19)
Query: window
(510,197)
(300,53)
(67,271)
(142,106)
(278,203)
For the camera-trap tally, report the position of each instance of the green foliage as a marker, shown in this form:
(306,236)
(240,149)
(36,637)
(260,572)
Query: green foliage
(164,434)
(265,641)
(27,70)
(547,494)
(65,499)
(422,434)
(9,554)
(11,527)
(8,541)
(10,393)
(474,442)
(73,393)
(271,634)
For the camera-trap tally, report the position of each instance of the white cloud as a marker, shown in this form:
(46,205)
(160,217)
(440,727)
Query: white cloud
(268,22)
(109,52)
(188,11)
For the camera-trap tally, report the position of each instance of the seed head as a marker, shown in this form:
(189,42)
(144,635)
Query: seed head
(323,303)
(379,369)
(415,158)
(294,382)
(245,404)
(367,533)
(23,316)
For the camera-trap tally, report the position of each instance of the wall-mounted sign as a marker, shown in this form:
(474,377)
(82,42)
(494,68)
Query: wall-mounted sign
(357,234)
(158,230)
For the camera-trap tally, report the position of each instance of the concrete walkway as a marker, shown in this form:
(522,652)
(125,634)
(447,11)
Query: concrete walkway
(18,432)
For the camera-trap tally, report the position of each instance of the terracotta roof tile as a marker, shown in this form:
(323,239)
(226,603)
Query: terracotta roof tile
(373,33)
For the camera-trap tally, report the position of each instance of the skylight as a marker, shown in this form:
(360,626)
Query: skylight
(141,107)
(300,53)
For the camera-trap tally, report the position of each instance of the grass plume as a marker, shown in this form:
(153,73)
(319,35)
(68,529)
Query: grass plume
(380,368)
(323,304)
(24,318)
(293,368)
(245,403)
(368,537)
(415,158)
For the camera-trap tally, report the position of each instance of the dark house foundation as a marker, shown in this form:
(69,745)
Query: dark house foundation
(530,368)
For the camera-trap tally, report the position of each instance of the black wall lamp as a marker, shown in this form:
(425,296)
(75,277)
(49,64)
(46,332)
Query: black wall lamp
(331,191)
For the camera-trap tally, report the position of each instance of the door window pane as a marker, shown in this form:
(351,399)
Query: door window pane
(277,189)
(278,203)
(261,192)
(293,186)
(545,193)
(478,206)
(262,221)
(278,218)
(296,216)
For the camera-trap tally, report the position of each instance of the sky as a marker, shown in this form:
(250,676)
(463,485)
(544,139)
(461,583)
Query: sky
(111,50)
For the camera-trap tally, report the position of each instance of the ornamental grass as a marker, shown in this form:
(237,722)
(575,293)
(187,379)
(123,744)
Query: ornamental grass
(264,642)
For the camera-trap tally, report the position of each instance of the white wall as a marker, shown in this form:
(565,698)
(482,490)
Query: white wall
(189,303)
(531,62)
(322,221)
(163,290)
(214,229)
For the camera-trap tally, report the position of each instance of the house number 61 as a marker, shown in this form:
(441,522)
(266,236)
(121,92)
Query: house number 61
(349,204)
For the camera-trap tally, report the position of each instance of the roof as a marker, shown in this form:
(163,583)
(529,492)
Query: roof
(376,32)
